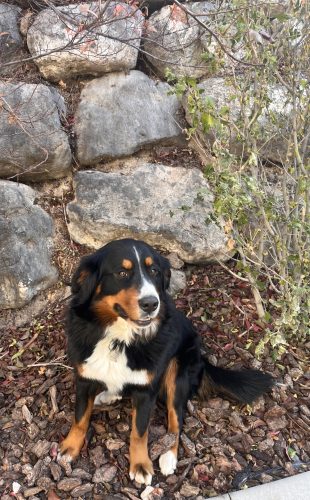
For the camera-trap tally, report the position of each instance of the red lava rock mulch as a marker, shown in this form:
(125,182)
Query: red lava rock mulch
(224,446)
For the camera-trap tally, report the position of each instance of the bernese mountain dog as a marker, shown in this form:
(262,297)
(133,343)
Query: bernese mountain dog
(126,337)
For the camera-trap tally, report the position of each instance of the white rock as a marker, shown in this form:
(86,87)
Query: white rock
(168,207)
(173,40)
(25,246)
(11,42)
(33,145)
(120,113)
(81,39)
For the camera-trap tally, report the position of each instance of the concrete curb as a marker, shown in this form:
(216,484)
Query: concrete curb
(294,487)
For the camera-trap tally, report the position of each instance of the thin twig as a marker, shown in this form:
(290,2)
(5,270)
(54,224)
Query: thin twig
(50,363)
(233,302)
(255,291)
(23,349)
(231,272)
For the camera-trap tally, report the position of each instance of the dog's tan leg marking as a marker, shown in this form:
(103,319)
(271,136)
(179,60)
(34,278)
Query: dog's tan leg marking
(168,460)
(72,445)
(141,468)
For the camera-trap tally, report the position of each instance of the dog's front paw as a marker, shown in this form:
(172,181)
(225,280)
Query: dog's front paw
(64,460)
(70,448)
(167,463)
(142,473)
(106,397)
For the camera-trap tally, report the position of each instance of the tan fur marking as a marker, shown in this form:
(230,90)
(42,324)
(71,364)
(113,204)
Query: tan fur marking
(73,443)
(170,387)
(138,453)
(148,261)
(150,377)
(127,264)
(80,369)
(98,289)
(82,277)
(127,299)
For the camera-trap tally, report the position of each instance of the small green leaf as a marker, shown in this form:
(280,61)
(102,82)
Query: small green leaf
(291,452)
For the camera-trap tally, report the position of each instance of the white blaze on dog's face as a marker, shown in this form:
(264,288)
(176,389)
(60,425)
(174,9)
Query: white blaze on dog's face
(148,299)
(126,280)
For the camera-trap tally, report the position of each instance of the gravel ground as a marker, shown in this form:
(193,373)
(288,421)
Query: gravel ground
(224,446)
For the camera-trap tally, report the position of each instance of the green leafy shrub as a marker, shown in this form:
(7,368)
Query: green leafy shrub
(266,204)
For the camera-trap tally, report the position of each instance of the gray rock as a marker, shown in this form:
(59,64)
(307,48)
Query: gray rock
(55,471)
(273,123)
(82,40)
(30,492)
(33,431)
(175,262)
(169,207)
(177,282)
(25,246)
(15,318)
(176,41)
(188,445)
(151,493)
(41,447)
(105,474)
(81,473)
(69,483)
(45,482)
(33,145)
(162,445)
(120,113)
(187,490)
(10,39)
(82,490)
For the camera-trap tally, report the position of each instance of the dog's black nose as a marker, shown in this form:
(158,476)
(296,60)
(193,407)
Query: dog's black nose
(148,304)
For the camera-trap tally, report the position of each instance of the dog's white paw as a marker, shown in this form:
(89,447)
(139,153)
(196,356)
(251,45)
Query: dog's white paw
(64,457)
(141,477)
(142,473)
(64,460)
(167,463)
(105,398)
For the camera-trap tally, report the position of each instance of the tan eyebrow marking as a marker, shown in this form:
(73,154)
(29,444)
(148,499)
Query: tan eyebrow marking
(127,264)
(148,261)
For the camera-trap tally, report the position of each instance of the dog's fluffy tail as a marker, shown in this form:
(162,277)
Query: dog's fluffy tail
(242,385)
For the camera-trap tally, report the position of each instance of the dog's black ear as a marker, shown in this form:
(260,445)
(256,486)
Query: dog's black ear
(84,280)
(166,272)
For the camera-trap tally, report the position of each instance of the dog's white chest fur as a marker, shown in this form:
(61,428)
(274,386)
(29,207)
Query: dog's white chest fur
(110,365)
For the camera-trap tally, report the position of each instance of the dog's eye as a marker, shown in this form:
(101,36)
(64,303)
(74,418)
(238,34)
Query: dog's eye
(153,271)
(123,274)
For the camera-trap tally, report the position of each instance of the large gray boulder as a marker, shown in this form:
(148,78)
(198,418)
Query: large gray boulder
(177,42)
(273,124)
(170,207)
(120,113)
(25,246)
(33,145)
(11,42)
(82,39)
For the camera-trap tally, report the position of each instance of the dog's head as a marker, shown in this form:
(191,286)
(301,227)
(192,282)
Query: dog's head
(124,279)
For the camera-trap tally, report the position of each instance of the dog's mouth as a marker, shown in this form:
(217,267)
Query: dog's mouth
(142,323)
